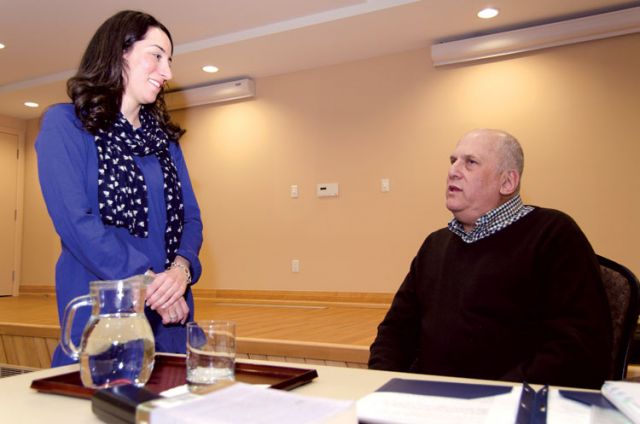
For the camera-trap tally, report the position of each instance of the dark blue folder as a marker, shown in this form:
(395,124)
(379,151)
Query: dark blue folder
(533,405)
(588,398)
(441,388)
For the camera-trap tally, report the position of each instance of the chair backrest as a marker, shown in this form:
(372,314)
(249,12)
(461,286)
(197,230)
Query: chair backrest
(622,292)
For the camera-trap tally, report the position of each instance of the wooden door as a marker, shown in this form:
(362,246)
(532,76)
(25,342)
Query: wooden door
(8,201)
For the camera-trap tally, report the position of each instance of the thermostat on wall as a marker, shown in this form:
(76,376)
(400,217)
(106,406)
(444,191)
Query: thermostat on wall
(327,190)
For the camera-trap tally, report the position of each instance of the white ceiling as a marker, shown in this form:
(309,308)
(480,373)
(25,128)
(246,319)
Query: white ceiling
(247,38)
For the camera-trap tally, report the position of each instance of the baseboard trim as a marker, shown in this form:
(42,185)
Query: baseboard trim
(39,290)
(295,296)
(29,330)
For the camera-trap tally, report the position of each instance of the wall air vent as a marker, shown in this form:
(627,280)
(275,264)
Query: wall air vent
(211,93)
(595,27)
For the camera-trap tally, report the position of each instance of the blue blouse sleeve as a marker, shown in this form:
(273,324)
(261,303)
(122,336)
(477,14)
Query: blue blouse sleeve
(63,152)
(191,240)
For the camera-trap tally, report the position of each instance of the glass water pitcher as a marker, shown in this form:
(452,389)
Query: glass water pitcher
(117,344)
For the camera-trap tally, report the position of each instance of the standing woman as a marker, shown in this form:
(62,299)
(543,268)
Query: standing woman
(115,181)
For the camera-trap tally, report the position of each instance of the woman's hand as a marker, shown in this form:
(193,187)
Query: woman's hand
(168,286)
(178,312)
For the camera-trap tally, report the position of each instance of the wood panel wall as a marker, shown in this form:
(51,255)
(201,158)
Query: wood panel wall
(28,345)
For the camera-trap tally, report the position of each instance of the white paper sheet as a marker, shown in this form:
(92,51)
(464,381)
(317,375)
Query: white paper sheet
(561,410)
(625,395)
(243,403)
(406,408)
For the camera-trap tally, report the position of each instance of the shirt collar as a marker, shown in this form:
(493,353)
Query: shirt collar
(492,221)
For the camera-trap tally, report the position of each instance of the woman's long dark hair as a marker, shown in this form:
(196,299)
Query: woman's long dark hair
(97,88)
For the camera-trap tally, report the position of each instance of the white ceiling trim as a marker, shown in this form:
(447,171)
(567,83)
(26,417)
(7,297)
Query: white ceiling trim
(291,24)
(538,37)
(47,79)
(234,37)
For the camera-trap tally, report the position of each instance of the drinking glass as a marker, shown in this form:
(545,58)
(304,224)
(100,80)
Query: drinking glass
(211,353)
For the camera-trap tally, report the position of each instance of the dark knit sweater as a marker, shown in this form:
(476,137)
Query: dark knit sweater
(525,304)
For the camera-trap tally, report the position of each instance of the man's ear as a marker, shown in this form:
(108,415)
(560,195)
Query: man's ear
(510,180)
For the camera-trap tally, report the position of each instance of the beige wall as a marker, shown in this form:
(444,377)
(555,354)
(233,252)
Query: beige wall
(574,108)
(40,243)
(12,123)
(12,242)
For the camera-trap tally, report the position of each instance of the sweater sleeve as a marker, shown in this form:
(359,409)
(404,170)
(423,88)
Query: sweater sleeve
(62,152)
(396,344)
(573,342)
(191,240)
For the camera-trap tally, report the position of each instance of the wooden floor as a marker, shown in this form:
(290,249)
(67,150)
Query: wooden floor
(297,331)
(310,323)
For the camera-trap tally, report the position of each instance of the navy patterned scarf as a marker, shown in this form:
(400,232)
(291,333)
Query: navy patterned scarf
(122,191)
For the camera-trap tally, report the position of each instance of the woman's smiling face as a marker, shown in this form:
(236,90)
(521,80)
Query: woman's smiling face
(147,68)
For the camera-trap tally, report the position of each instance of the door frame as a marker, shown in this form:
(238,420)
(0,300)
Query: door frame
(17,239)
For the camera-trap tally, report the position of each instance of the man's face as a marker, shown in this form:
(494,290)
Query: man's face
(474,179)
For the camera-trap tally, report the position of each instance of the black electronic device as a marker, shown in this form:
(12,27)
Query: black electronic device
(117,405)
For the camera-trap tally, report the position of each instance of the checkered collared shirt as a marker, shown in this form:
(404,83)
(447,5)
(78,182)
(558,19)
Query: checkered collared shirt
(492,221)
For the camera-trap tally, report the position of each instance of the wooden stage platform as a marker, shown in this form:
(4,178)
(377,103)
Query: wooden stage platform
(314,328)
(270,325)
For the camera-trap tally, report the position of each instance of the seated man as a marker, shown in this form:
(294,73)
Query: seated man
(506,292)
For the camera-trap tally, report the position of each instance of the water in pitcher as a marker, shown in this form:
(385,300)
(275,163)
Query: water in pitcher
(117,350)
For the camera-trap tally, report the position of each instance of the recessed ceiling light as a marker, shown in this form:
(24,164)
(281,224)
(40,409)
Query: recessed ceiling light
(1,46)
(31,104)
(488,13)
(210,69)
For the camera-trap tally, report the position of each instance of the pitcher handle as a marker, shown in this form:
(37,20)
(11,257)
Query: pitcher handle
(67,324)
